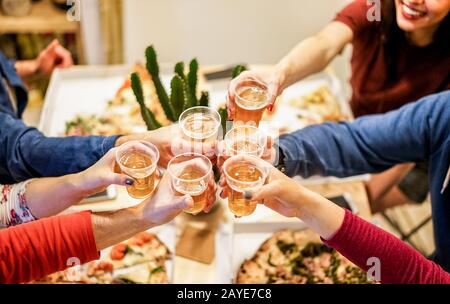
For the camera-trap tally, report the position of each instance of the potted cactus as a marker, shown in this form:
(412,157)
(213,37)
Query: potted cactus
(183,91)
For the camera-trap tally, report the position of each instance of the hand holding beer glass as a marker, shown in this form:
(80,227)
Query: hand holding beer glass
(139,159)
(243,173)
(191,174)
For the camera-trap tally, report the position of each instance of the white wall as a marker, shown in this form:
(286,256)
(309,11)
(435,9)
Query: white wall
(224,31)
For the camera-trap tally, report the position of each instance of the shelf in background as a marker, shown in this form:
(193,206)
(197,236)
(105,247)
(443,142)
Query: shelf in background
(44,18)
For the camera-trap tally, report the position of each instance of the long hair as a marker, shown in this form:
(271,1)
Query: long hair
(394,38)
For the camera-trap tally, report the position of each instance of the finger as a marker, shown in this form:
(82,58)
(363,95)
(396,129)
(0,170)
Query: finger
(269,190)
(183,202)
(118,179)
(52,46)
(224,193)
(64,56)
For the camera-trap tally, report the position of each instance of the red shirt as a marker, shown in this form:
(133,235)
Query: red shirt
(420,70)
(359,240)
(32,250)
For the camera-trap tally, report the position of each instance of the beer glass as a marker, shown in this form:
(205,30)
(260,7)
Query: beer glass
(244,173)
(251,98)
(246,140)
(190,174)
(139,160)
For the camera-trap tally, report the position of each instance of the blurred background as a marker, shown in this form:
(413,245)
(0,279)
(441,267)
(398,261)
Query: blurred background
(226,32)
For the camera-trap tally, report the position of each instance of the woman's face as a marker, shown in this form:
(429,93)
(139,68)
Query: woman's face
(413,15)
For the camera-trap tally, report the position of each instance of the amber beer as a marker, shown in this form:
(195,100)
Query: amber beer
(200,125)
(243,173)
(251,99)
(190,174)
(139,159)
(246,140)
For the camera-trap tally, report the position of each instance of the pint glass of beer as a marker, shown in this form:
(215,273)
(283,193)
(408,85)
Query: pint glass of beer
(139,160)
(246,140)
(251,98)
(200,126)
(244,173)
(190,173)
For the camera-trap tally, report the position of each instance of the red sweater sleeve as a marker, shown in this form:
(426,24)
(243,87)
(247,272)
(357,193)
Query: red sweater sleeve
(33,250)
(359,240)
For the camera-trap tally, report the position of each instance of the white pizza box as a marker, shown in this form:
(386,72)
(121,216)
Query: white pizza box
(243,242)
(84,90)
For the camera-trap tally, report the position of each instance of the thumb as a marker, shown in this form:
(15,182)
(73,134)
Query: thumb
(183,202)
(265,192)
(119,179)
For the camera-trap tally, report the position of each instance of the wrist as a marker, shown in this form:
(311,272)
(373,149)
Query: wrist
(280,75)
(140,214)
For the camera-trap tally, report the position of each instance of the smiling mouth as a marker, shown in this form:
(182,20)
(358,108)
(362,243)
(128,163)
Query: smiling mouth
(410,12)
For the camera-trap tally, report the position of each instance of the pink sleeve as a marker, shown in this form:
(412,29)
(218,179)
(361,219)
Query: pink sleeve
(359,240)
(33,250)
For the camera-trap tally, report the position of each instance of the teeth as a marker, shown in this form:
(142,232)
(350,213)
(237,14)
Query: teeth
(410,11)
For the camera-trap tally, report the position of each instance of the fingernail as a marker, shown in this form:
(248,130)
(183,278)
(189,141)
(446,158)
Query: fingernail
(221,193)
(270,107)
(247,195)
(129,182)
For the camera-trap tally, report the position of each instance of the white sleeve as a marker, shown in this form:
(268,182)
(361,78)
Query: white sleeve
(13,205)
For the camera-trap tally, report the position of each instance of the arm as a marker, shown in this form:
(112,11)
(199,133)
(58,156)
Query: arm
(370,144)
(313,54)
(310,56)
(53,56)
(33,250)
(26,153)
(353,237)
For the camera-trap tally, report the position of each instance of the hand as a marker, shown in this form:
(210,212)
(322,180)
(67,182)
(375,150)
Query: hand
(53,56)
(271,80)
(100,175)
(164,205)
(280,193)
(169,142)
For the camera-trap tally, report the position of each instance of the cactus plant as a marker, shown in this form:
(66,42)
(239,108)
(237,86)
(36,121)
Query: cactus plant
(177,96)
(149,118)
(183,93)
(153,69)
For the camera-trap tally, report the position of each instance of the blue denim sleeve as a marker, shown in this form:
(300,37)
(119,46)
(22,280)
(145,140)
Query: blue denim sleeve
(370,144)
(26,153)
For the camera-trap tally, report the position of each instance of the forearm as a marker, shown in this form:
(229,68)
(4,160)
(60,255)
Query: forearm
(398,263)
(313,54)
(26,68)
(50,196)
(111,228)
(318,213)
(26,153)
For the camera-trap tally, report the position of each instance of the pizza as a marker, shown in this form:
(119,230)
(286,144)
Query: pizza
(319,106)
(144,247)
(140,260)
(298,257)
(122,114)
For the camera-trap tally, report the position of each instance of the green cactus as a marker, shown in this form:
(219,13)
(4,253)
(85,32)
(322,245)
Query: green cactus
(223,118)
(153,69)
(193,80)
(179,69)
(204,99)
(237,70)
(177,95)
(148,116)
